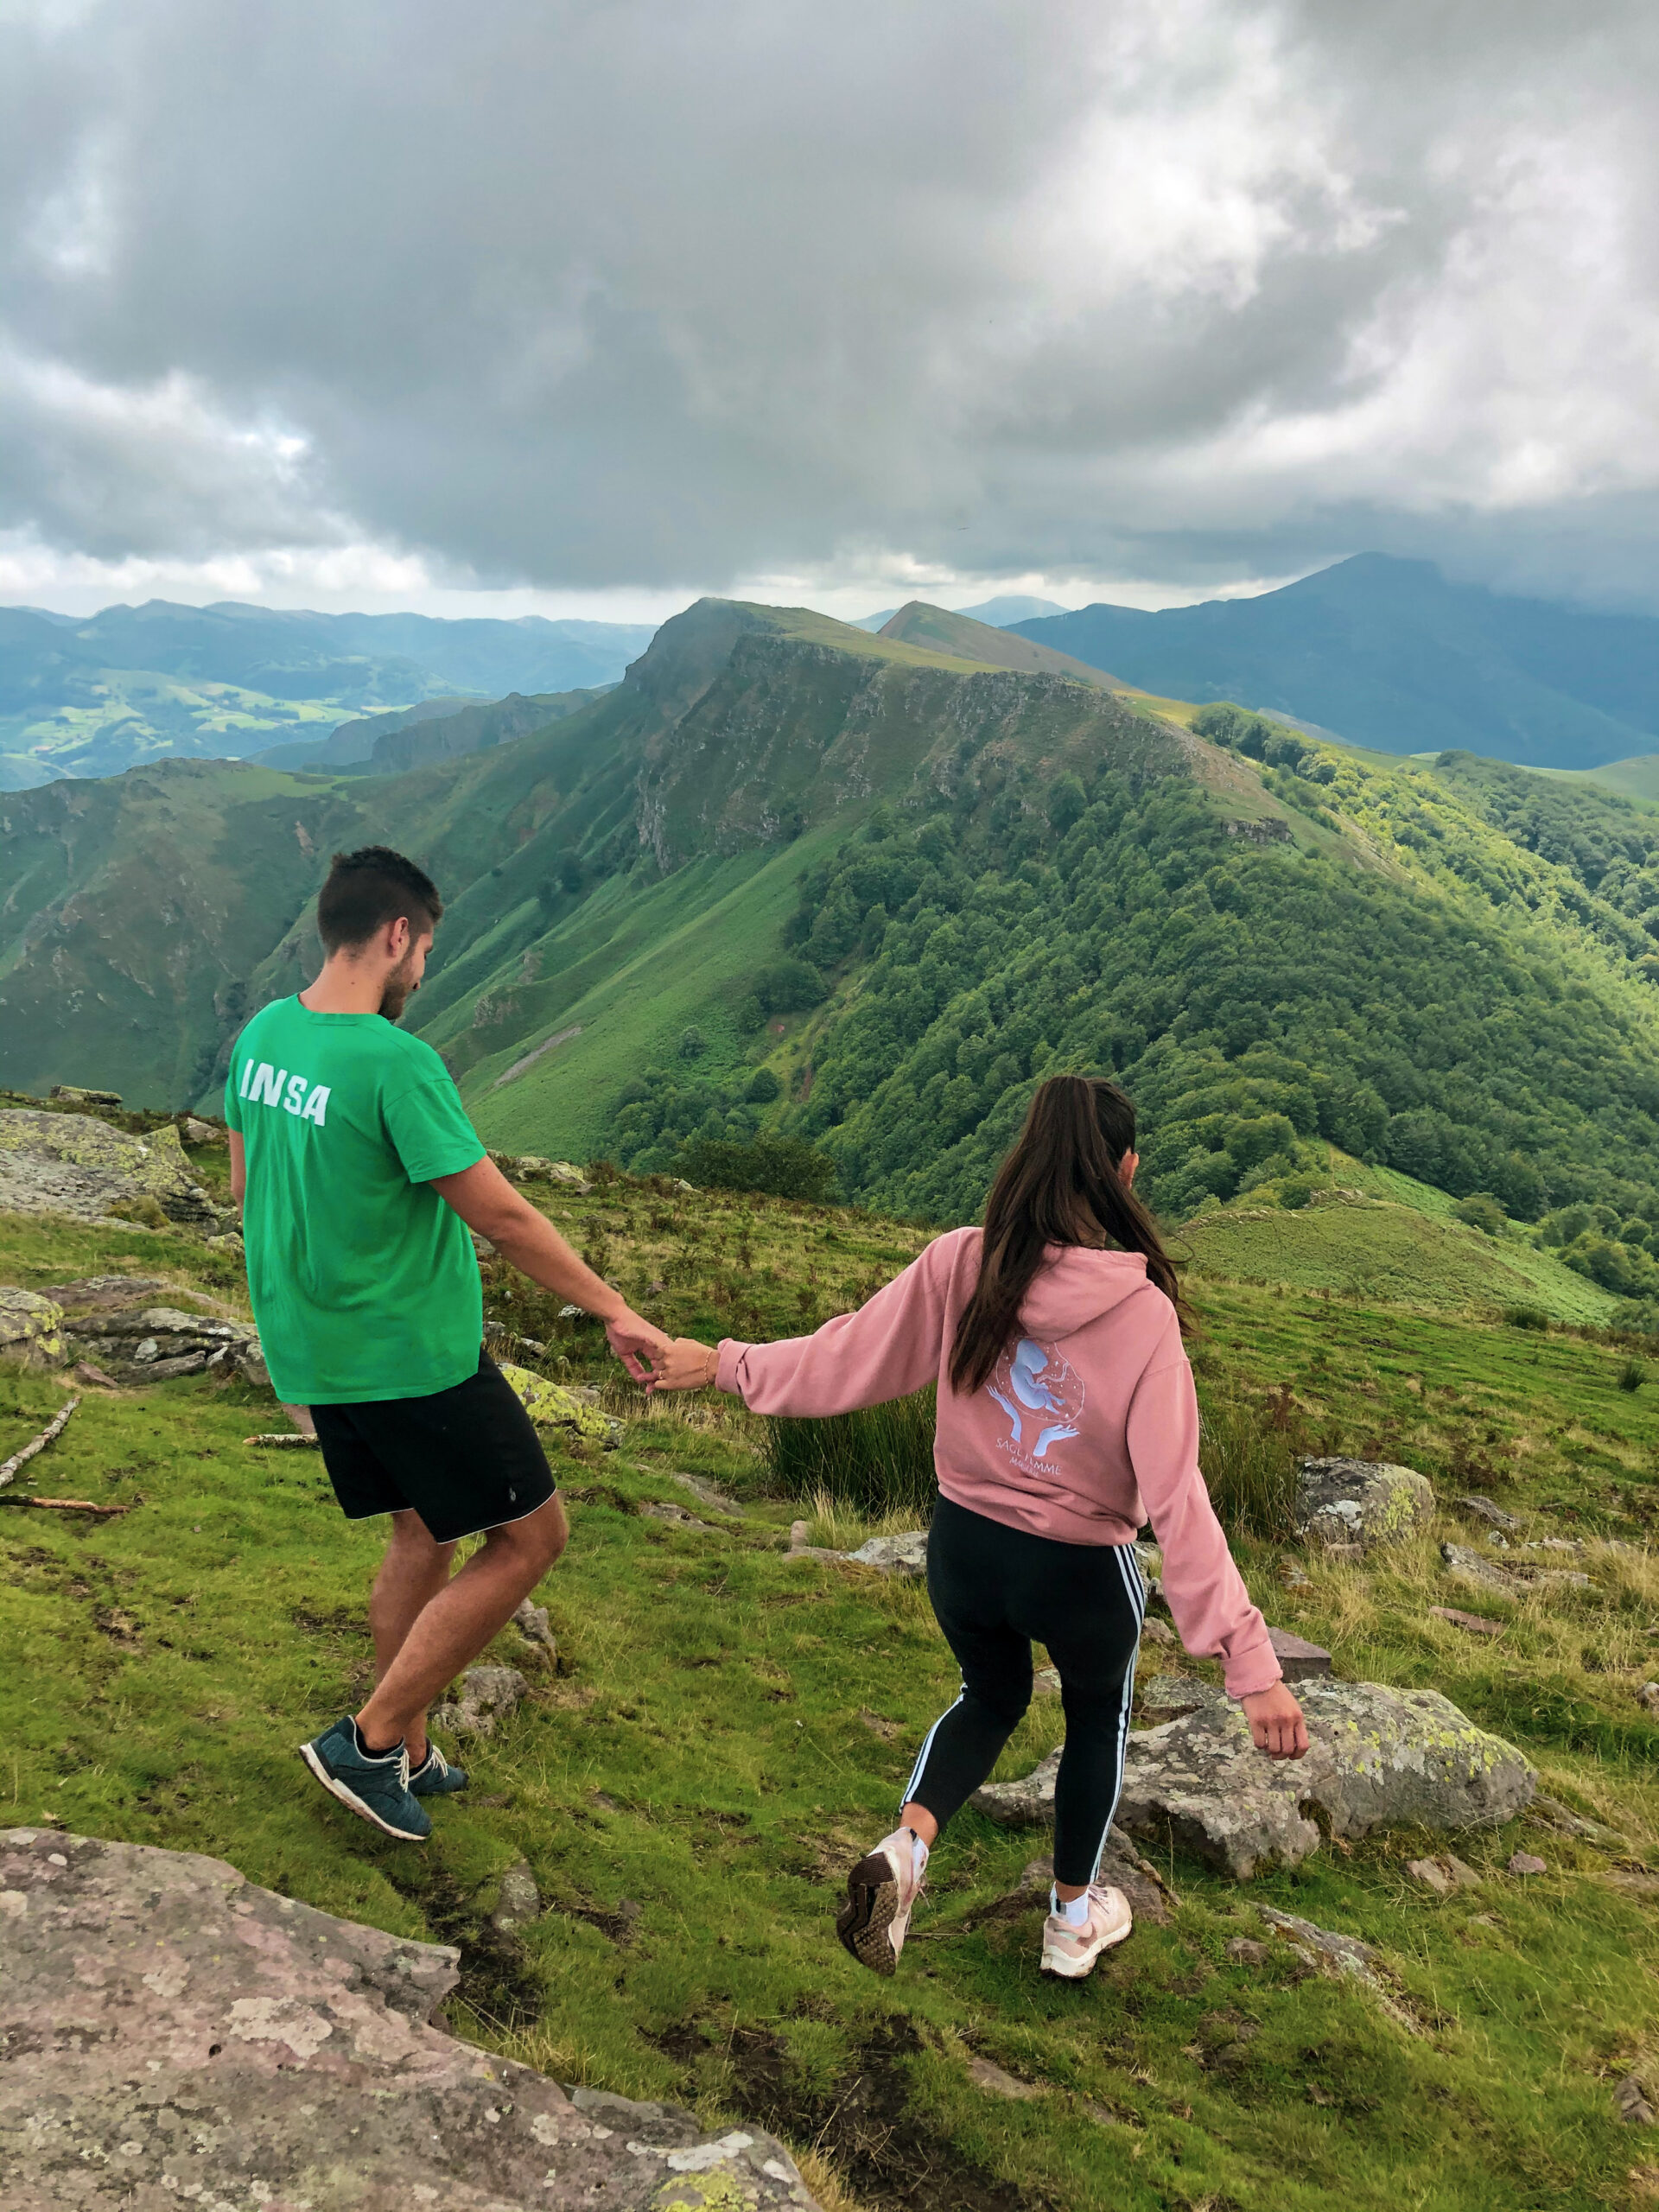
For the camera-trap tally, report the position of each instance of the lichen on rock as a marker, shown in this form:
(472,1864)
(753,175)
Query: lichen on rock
(75,1164)
(1364,1502)
(31,1328)
(177,2034)
(550,1405)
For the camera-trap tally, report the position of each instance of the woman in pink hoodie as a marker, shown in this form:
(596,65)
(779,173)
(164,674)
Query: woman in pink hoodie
(1066,1419)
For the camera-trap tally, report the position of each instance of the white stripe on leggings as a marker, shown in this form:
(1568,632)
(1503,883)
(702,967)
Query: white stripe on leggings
(1132,1585)
(927,1745)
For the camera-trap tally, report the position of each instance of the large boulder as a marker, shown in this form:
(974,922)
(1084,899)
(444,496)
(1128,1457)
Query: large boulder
(74,1163)
(31,1328)
(175,2034)
(1363,1502)
(1377,1758)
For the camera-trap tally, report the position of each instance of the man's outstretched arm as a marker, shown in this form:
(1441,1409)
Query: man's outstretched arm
(486,1201)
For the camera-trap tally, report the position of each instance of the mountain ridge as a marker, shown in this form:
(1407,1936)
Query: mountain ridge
(1392,657)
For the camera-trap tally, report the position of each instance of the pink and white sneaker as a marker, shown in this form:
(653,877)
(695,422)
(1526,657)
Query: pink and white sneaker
(1071,1951)
(881,1891)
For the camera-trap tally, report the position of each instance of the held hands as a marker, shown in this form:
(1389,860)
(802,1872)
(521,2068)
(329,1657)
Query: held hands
(638,1343)
(1276,1724)
(685,1364)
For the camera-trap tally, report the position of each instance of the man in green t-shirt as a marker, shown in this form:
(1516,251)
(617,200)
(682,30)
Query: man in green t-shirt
(359,1176)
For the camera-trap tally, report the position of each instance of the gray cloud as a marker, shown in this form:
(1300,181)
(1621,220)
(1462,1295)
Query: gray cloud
(591,292)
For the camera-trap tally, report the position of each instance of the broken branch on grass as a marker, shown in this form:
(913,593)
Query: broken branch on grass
(70,1505)
(22,1458)
(281,1442)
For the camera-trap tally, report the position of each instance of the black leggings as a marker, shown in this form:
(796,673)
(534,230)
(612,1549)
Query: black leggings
(994,1589)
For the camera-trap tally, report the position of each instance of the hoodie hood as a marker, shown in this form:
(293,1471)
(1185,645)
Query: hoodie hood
(1076,1285)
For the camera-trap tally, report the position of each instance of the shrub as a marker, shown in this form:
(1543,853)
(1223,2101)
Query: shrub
(1294,1192)
(781,1167)
(1250,1456)
(1482,1211)
(692,1042)
(877,1460)
(789,986)
(1525,1317)
(764,1087)
(1632,1374)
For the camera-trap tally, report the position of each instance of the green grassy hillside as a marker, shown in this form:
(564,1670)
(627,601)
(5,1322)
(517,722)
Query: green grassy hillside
(725,1730)
(918,624)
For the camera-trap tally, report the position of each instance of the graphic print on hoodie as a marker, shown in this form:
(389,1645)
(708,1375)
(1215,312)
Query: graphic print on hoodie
(1042,1397)
(1088,1428)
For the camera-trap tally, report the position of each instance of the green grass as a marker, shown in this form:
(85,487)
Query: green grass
(1397,1253)
(726,1729)
(879,1461)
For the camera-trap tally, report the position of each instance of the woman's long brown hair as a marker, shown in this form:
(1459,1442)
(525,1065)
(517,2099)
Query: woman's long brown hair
(1057,1185)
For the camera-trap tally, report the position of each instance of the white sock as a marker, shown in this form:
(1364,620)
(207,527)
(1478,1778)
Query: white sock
(1073,1910)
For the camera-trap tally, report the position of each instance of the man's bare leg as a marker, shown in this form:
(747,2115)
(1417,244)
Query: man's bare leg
(455,1624)
(415,1567)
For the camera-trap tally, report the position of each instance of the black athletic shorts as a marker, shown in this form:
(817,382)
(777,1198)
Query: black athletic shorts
(464,1459)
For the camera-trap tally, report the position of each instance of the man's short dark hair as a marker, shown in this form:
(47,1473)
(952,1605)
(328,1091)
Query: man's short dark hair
(370,887)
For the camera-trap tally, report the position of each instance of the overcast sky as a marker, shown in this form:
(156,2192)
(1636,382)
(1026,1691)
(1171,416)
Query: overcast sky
(586,306)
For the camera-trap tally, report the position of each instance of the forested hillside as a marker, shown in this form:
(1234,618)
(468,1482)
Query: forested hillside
(853,892)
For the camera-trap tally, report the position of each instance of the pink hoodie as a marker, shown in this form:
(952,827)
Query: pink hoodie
(1088,1425)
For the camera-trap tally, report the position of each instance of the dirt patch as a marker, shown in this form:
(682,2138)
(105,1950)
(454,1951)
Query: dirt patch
(497,1981)
(889,2157)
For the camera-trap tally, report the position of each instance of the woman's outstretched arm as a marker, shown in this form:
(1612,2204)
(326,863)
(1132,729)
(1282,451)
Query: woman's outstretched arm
(890,1346)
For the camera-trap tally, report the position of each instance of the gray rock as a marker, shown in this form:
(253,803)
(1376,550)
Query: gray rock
(146,1344)
(1526,1862)
(74,1163)
(177,2035)
(1363,1502)
(1334,1952)
(73,1094)
(518,1900)
(1444,1875)
(904,1554)
(488,1694)
(198,1132)
(1482,1509)
(705,1492)
(1377,1758)
(1631,2103)
(31,1328)
(1122,1867)
(1299,1659)
(1648,1698)
(661,1510)
(532,1624)
(1509,1581)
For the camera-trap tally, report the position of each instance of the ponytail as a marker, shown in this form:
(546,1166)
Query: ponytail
(1059,1184)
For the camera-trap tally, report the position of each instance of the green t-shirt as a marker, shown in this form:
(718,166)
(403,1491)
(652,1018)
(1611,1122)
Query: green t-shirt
(363,1281)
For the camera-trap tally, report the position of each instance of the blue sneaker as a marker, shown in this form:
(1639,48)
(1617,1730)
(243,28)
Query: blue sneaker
(376,1788)
(435,1777)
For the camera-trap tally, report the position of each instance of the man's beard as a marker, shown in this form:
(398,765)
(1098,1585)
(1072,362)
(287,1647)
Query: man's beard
(394,996)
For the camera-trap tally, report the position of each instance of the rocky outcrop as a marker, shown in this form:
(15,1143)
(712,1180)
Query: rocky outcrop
(1377,1758)
(1508,1581)
(74,1163)
(31,1328)
(148,1344)
(178,2036)
(1364,1502)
